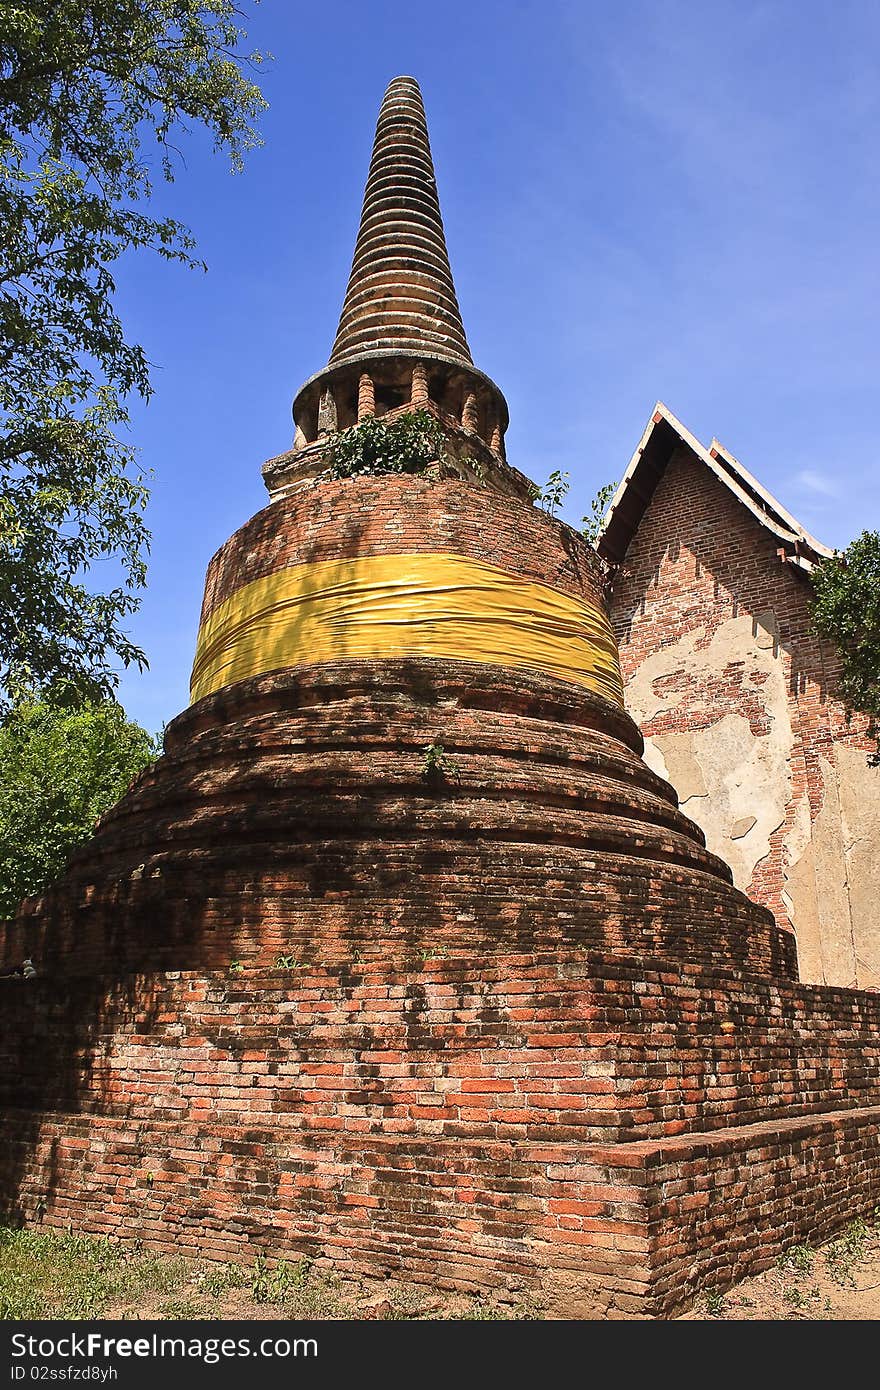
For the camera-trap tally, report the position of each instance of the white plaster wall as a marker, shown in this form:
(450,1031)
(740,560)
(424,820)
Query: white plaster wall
(833,882)
(738,787)
(734,785)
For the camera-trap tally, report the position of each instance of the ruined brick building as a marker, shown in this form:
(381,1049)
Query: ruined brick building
(506,1026)
(734,693)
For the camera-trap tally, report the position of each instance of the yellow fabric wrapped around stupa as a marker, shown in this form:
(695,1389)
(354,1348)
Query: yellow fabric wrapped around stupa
(415,605)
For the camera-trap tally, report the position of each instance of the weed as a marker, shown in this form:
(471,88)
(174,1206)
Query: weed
(437,766)
(276,1285)
(714,1301)
(298,1288)
(845,1253)
(407,444)
(182,1310)
(591,526)
(799,1259)
(483,1312)
(286,962)
(219,1279)
(551,496)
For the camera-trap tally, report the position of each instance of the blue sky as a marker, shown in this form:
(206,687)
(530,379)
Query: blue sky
(642,200)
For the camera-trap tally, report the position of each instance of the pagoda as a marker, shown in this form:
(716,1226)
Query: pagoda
(400,957)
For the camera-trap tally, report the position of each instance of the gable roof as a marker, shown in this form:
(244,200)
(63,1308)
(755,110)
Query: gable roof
(663,435)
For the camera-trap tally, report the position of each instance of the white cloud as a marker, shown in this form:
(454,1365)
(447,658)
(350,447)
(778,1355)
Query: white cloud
(814,481)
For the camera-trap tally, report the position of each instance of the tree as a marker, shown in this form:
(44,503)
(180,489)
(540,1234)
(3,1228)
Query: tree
(846,612)
(91,93)
(60,770)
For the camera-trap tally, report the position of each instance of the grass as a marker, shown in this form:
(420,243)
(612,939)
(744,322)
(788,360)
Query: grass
(182,1310)
(61,1274)
(842,1256)
(64,1275)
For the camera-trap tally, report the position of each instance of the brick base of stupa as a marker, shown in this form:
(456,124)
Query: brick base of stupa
(512,1030)
(613,1133)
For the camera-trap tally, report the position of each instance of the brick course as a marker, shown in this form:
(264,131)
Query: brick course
(401,515)
(304,824)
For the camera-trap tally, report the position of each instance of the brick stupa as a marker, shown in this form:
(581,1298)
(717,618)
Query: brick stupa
(502,1023)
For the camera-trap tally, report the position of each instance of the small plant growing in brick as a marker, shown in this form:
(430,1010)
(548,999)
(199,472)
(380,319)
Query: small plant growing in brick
(476,467)
(433,953)
(591,525)
(551,496)
(437,766)
(286,962)
(235,967)
(407,444)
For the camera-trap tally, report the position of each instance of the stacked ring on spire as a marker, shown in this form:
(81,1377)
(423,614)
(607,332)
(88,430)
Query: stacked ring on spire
(400,295)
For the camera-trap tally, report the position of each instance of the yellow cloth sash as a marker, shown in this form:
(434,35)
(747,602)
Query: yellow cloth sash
(432,604)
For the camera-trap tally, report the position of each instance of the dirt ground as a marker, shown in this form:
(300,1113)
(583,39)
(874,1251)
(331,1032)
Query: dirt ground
(61,1274)
(838,1282)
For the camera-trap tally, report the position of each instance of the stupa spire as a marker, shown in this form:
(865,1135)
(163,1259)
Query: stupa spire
(400,296)
(401,344)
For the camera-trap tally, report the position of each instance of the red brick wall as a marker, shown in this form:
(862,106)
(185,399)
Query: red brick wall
(290,812)
(559,1121)
(486,1047)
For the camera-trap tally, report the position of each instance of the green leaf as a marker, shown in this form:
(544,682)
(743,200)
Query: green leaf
(60,770)
(846,612)
(408,443)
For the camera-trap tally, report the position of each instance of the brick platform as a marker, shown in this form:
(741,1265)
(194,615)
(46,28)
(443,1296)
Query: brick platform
(606,1131)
